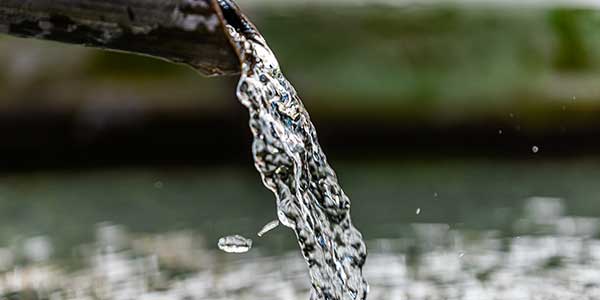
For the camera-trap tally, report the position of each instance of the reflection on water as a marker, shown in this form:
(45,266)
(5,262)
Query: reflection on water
(554,257)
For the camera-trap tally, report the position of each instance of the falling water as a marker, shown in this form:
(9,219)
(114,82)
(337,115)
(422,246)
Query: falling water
(293,166)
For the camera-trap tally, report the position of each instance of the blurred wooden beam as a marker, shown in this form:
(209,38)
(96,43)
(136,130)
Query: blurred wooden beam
(190,32)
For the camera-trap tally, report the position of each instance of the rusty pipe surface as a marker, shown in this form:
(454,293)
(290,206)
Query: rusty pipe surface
(190,32)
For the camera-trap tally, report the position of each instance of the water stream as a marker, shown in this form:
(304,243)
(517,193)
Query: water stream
(293,166)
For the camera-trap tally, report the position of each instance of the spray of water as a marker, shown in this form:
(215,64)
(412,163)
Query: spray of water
(293,166)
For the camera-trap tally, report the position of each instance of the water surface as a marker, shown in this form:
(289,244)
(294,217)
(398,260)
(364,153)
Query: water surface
(486,230)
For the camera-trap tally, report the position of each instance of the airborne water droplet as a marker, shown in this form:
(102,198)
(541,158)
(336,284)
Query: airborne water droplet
(235,244)
(535,149)
(418,211)
(270,226)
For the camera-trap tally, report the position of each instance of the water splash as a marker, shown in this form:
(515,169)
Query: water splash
(268,227)
(293,166)
(235,244)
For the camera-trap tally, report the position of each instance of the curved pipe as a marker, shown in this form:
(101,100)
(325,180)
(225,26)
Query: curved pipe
(190,32)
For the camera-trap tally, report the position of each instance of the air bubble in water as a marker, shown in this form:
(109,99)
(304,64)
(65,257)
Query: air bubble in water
(235,244)
(270,226)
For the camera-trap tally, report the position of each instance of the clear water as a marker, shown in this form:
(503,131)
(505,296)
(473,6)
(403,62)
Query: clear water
(268,227)
(235,244)
(293,166)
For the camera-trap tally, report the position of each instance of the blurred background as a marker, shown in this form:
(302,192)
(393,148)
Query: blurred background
(465,132)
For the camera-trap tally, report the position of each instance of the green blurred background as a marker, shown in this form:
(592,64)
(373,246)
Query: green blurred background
(411,78)
(434,105)
(432,63)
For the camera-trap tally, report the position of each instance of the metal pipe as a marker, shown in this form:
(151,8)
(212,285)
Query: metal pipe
(190,32)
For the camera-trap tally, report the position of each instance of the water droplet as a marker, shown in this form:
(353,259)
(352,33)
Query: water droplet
(418,211)
(158,185)
(461,255)
(435,195)
(270,226)
(535,149)
(511,115)
(45,25)
(500,131)
(235,244)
